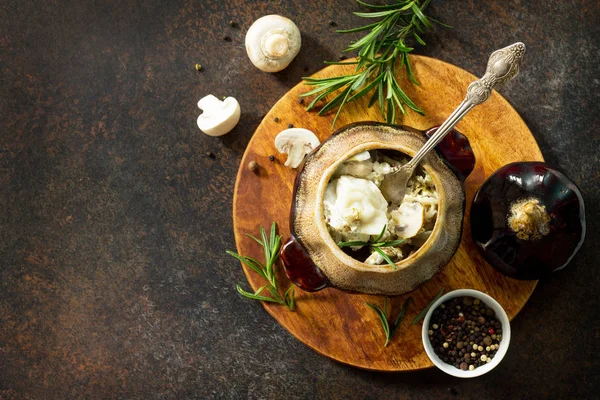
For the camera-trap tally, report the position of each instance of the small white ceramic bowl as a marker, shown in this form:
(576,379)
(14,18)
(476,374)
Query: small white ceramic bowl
(500,315)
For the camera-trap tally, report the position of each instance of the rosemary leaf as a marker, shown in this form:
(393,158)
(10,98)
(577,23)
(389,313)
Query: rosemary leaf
(366,89)
(341,62)
(420,15)
(424,311)
(359,29)
(376,14)
(256,296)
(266,245)
(383,318)
(421,41)
(289,298)
(255,239)
(256,266)
(351,244)
(388,244)
(273,236)
(385,257)
(381,233)
(373,6)
(400,316)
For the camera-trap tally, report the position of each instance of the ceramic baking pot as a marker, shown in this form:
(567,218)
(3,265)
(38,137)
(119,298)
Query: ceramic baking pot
(311,258)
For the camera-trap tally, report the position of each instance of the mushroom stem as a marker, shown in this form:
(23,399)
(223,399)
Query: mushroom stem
(275,44)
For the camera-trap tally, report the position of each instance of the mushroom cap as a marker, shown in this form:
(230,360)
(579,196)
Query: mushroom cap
(296,142)
(218,117)
(272,42)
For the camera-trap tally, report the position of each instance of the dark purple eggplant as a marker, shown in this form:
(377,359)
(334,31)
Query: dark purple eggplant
(528,220)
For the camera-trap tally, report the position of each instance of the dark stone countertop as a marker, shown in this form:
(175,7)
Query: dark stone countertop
(113,277)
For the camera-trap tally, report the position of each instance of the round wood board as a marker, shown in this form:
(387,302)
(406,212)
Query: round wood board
(337,324)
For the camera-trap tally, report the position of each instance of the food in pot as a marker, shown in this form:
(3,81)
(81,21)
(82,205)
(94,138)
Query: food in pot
(355,210)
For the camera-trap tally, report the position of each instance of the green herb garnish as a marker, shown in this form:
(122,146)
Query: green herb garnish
(424,311)
(271,245)
(375,245)
(382,53)
(383,316)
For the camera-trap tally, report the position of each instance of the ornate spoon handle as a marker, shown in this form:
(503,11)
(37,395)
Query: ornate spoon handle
(503,65)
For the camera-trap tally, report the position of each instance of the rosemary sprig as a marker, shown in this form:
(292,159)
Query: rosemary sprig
(382,313)
(423,312)
(271,245)
(382,53)
(376,245)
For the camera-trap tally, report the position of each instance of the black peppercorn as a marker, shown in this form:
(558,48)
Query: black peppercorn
(290,125)
(210,154)
(227,39)
(271,158)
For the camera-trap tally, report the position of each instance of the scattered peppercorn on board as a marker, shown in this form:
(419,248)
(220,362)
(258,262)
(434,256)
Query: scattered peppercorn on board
(337,324)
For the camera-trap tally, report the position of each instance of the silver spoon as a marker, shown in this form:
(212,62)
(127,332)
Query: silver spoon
(502,66)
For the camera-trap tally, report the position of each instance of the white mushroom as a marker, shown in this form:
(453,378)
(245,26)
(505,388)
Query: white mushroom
(407,220)
(296,142)
(272,42)
(218,117)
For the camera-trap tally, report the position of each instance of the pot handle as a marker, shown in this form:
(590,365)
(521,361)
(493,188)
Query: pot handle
(300,268)
(456,151)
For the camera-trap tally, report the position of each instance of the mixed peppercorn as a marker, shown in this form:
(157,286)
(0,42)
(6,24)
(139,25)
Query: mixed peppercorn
(464,332)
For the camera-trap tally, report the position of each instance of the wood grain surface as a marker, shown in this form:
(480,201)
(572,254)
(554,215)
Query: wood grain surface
(337,324)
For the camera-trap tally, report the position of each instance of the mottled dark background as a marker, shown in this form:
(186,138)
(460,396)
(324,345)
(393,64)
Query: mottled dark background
(113,277)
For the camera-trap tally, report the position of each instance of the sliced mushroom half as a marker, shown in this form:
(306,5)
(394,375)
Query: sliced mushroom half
(218,117)
(296,142)
(408,219)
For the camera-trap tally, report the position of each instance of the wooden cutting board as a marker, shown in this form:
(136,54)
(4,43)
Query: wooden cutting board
(337,324)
